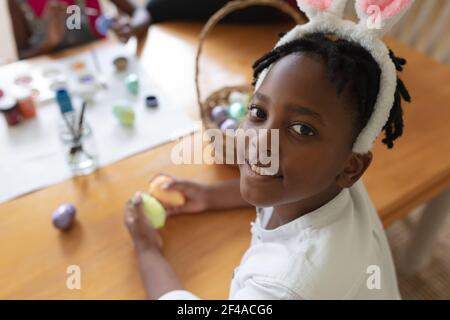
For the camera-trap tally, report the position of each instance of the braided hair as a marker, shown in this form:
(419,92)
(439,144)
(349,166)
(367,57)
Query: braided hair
(348,64)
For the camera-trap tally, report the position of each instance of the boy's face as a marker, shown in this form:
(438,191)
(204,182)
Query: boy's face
(316,134)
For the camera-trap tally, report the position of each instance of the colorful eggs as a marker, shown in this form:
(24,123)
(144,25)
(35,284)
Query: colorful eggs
(64,216)
(154,211)
(228,117)
(132,83)
(219,114)
(125,114)
(229,124)
(238,97)
(237,110)
(170,198)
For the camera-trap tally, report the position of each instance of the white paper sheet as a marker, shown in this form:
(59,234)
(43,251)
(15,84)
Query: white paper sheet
(31,155)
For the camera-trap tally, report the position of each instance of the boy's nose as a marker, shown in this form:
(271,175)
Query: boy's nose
(265,142)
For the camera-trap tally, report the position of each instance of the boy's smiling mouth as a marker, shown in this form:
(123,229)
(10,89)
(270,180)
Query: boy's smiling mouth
(260,171)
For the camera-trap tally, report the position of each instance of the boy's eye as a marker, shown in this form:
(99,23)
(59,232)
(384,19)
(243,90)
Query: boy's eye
(303,129)
(256,112)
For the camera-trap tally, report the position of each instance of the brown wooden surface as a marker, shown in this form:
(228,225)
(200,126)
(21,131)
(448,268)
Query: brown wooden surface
(203,248)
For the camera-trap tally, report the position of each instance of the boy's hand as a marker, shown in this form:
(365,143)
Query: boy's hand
(196,196)
(144,236)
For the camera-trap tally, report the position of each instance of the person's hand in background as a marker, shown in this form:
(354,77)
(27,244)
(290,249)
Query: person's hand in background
(55,15)
(134,24)
(122,28)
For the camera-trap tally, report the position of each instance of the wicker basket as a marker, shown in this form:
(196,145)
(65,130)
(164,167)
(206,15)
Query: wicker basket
(220,97)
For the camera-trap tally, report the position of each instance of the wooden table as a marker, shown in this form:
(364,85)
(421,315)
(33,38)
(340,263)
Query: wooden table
(203,248)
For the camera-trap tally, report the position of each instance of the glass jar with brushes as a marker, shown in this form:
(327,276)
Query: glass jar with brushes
(76,137)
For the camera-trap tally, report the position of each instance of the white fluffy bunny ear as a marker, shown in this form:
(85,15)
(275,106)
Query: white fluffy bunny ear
(381,15)
(313,7)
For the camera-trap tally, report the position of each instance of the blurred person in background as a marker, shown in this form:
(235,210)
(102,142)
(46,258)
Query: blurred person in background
(40,25)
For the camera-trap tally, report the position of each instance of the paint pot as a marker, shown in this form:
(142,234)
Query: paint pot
(59,82)
(86,92)
(86,78)
(25,103)
(78,66)
(121,64)
(88,87)
(35,93)
(51,73)
(9,109)
(24,80)
(151,101)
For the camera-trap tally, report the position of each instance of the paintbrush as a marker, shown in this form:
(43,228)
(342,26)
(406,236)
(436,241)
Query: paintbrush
(69,126)
(99,69)
(81,121)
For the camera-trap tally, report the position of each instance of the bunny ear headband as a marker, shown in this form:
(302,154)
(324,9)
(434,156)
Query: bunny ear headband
(376,17)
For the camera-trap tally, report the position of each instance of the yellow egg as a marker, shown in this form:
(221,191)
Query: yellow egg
(171,198)
(154,211)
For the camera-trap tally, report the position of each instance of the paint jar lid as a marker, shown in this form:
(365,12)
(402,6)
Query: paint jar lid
(51,72)
(64,100)
(59,82)
(7,103)
(22,93)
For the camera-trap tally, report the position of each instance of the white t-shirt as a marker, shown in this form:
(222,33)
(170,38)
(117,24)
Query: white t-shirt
(338,251)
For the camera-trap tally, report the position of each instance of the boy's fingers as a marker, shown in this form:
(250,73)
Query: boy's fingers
(138,205)
(171,185)
(173,211)
(130,213)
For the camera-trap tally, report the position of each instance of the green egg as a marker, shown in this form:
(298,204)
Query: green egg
(132,83)
(124,114)
(117,110)
(154,211)
(237,110)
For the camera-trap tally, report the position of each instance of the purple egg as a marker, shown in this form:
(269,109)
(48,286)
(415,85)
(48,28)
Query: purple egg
(64,216)
(229,124)
(219,114)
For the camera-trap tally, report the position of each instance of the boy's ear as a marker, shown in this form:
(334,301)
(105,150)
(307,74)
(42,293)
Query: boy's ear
(356,165)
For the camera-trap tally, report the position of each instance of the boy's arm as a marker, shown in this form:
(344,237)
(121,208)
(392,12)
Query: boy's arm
(157,274)
(220,195)
(226,195)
